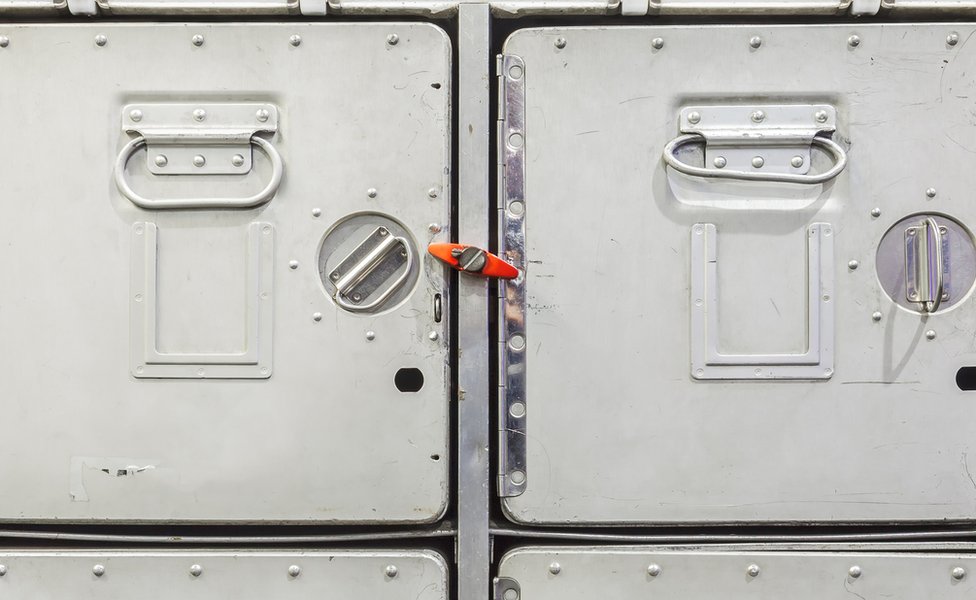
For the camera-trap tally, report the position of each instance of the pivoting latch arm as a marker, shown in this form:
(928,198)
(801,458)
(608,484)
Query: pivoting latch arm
(473,260)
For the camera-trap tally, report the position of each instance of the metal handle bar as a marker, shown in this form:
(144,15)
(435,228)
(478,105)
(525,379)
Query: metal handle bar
(262,197)
(834,149)
(930,306)
(366,266)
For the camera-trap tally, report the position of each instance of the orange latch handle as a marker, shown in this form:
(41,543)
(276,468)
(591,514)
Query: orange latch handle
(493,266)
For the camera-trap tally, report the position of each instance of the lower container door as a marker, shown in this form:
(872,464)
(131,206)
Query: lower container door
(748,265)
(207,575)
(217,302)
(625,573)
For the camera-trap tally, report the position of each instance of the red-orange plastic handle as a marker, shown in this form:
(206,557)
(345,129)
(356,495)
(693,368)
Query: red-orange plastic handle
(494,266)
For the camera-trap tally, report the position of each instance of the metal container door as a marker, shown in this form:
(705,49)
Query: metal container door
(747,260)
(218,306)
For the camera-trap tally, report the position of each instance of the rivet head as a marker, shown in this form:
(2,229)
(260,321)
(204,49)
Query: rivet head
(854,572)
(753,570)
(555,568)
(262,114)
(560,43)
(393,39)
(854,41)
(517,477)
(237,160)
(3,570)
(694,117)
(317,317)
(758,116)
(100,40)
(755,41)
(511,594)
(199,160)
(432,336)
(391,571)
(434,228)
(197,40)
(654,570)
(930,192)
(432,192)
(820,116)
(758,162)
(853,265)
(4,41)
(720,162)
(98,570)
(161,160)
(370,336)
(294,571)
(657,43)
(199,114)
(371,192)
(875,212)
(295,40)
(959,573)
(293,264)
(952,39)
(135,115)
(930,334)
(876,316)
(797,162)
(316,212)
(196,570)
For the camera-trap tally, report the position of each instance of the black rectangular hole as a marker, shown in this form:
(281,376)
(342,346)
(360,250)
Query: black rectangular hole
(966,379)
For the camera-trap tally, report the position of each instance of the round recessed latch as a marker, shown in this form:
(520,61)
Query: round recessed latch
(368,263)
(926,262)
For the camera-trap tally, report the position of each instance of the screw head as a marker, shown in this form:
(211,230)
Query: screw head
(100,40)
(753,570)
(199,160)
(317,317)
(393,39)
(654,570)
(930,334)
(391,571)
(98,570)
(797,162)
(371,192)
(952,39)
(262,115)
(237,160)
(370,336)
(199,114)
(135,115)
(755,41)
(758,162)
(293,264)
(854,41)
(853,265)
(758,116)
(295,40)
(432,192)
(196,570)
(694,117)
(555,568)
(560,43)
(930,192)
(876,316)
(854,572)
(820,116)
(875,212)
(720,162)
(294,571)
(4,41)
(197,40)
(959,573)
(161,160)
(657,43)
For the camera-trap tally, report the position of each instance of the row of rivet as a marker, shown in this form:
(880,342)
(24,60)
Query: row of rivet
(196,570)
(753,570)
(755,42)
(197,40)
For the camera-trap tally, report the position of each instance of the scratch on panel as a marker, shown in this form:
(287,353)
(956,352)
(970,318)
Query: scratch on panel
(112,467)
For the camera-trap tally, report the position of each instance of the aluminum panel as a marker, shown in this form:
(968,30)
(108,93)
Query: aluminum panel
(206,424)
(618,429)
(285,574)
(568,573)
